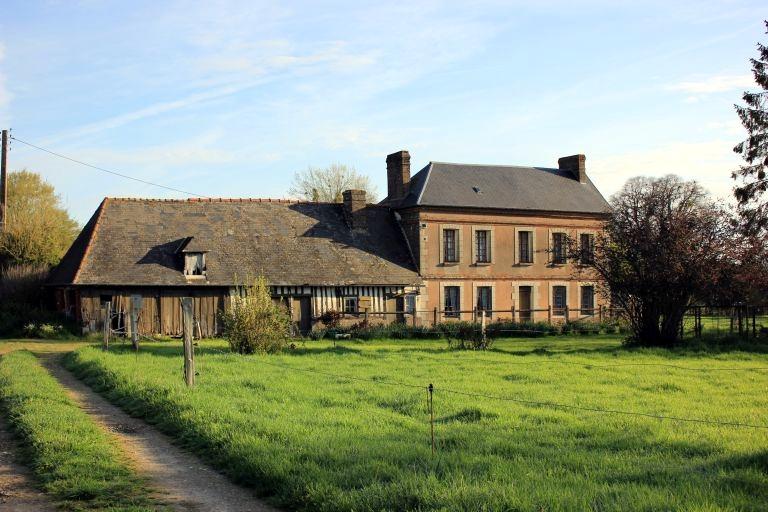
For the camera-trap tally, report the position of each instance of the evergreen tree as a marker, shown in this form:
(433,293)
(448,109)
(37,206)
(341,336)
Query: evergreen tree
(754,150)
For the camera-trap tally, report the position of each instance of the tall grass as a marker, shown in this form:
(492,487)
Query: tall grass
(73,459)
(315,441)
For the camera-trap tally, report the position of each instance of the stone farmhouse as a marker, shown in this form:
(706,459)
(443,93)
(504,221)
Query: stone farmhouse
(452,240)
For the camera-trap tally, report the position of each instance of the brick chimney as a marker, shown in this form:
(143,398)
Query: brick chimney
(576,164)
(354,208)
(398,175)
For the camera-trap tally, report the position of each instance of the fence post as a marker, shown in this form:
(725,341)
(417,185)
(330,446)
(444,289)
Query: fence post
(434,318)
(107,316)
(365,312)
(413,314)
(430,389)
(189,350)
(549,314)
(513,312)
(135,308)
(567,309)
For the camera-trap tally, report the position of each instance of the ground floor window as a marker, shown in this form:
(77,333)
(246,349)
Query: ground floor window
(558,300)
(451,305)
(485,299)
(410,303)
(588,300)
(350,305)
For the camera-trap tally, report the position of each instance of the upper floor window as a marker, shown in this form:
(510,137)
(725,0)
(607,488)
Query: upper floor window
(525,246)
(483,246)
(558,248)
(194,264)
(450,245)
(586,248)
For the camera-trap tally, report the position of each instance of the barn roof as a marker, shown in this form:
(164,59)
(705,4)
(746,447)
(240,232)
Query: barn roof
(504,187)
(136,241)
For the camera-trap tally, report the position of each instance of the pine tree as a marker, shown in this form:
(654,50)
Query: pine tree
(753,182)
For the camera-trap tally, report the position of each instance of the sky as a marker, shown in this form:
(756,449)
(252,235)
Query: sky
(230,98)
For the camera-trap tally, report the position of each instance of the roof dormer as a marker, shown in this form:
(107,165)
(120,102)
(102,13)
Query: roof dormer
(193,258)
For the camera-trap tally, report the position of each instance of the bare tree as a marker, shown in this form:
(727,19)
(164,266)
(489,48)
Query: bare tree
(662,247)
(326,185)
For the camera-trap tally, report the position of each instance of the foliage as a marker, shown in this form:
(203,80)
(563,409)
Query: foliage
(39,230)
(254,322)
(664,245)
(316,441)
(326,185)
(754,150)
(71,456)
(22,304)
(331,318)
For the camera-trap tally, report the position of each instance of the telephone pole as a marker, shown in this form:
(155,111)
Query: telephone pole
(3,180)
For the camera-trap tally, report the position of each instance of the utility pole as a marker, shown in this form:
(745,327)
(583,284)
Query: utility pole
(3,180)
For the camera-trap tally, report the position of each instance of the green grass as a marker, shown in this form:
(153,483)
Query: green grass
(73,459)
(318,442)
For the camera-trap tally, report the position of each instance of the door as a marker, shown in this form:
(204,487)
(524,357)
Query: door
(399,307)
(525,303)
(305,315)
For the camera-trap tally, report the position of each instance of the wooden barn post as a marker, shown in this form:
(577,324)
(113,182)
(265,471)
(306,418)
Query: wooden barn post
(189,350)
(135,308)
(106,314)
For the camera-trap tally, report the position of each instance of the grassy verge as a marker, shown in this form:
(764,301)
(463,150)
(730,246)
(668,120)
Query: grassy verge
(315,441)
(73,459)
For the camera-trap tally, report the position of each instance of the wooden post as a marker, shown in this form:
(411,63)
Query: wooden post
(549,314)
(135,308)
(413,314)
(434,318)
(106,312)
(482,326)
(365,312)
(189,350)
(513,312)
(3,180)
(566,313)
(430,389)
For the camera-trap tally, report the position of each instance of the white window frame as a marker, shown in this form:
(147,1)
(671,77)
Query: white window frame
(356,300)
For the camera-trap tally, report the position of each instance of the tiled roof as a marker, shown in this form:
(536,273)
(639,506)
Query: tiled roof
(502,187)
(135,242)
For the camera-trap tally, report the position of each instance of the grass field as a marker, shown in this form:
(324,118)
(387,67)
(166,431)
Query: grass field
(71,456)
(313,441)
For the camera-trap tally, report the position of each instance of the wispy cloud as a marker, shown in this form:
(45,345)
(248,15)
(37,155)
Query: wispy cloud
(698,89)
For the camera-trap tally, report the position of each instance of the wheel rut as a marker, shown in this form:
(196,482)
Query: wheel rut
(184,482)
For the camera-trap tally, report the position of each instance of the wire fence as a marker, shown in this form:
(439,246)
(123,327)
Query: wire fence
(742,320)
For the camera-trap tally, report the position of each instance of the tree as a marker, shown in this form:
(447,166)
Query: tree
(754,150)
(38,228)
(326,185)
(663,246)
(254,322)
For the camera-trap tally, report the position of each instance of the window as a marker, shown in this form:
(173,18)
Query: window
(194,264)
(410,303)
(525,243)
(485,299)
(350,305)
(587,248)
(451,305)
(558,300)
(588,300)
(558,248)
(483,246)
(450,249)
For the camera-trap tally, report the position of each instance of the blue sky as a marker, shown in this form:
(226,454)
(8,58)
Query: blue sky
(230,98)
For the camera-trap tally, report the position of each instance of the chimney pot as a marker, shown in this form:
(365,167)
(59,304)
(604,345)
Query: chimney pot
(398,175)
(576,165)
(354,208)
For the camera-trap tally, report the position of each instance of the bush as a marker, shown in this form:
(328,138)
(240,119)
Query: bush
(330,318)
(254,322)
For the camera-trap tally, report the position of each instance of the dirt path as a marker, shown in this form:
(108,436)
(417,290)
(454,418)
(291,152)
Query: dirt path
(185,482)
(17,492)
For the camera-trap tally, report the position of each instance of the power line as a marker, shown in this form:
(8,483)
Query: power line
(106,170)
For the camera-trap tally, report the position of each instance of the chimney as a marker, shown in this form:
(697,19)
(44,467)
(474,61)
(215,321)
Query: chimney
(354,208)
(576,164)
(398,175)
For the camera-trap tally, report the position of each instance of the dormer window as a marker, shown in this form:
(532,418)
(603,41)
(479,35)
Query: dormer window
(194,263)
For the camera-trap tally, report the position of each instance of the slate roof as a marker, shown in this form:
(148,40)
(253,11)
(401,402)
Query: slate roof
(502,187)
(135,242)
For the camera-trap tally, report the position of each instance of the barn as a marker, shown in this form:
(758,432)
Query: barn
(317,257)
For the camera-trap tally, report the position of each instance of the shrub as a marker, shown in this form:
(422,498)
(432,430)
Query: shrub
(254,322)
(330,318)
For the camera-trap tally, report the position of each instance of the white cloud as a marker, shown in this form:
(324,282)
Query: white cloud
(717,83)
(709,162)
